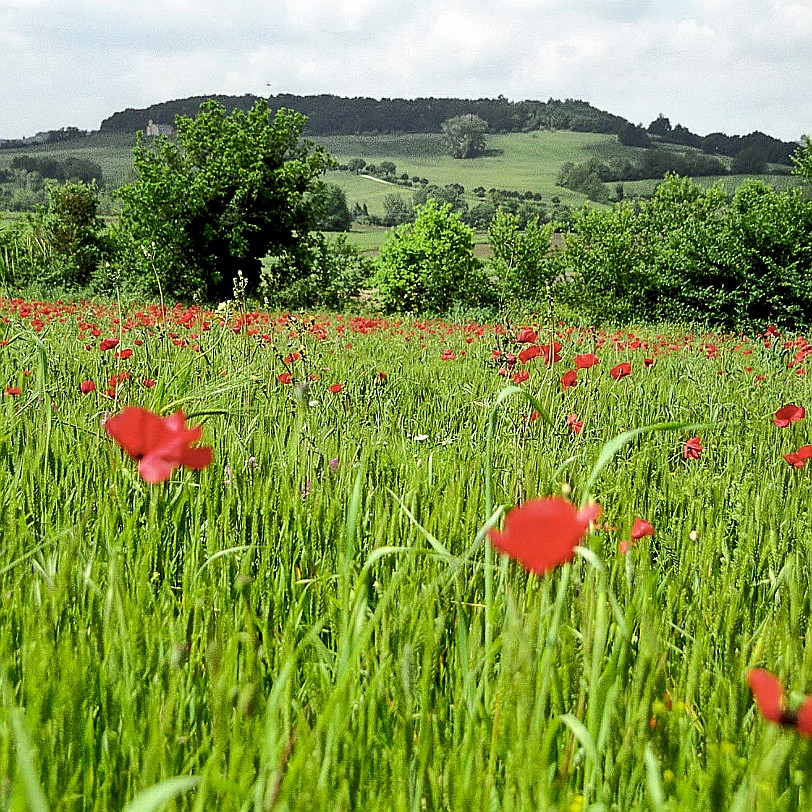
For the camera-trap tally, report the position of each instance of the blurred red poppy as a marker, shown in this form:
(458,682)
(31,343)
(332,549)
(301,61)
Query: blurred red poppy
(543,533)
(788,414)
(160,444)
(769,696)
(108,343)
(285,377)
(86,387)
(527,335)
(529,353)
(586,360)
(620,371)
(520,377)
(768,693)
(692,449)
(641,528)
(335,388)
(575,425)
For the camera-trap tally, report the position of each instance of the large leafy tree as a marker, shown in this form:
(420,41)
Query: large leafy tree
(230,190)
(465,136)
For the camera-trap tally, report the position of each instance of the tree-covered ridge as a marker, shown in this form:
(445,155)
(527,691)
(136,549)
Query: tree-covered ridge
(336,115)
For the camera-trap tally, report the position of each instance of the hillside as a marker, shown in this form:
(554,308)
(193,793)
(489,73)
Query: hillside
(525,162)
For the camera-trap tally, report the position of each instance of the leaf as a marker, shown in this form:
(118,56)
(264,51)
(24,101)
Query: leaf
(26,764)
(581,733)
(615,444)
(152,798)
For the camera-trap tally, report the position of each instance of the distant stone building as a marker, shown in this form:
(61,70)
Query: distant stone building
(154,130)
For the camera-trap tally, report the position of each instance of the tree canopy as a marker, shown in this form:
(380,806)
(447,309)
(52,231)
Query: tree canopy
(465,136)
(229,191)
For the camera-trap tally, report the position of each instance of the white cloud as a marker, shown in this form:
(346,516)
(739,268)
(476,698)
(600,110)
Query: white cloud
(730,65)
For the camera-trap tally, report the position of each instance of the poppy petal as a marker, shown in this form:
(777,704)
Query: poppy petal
(542,533)
(768,694)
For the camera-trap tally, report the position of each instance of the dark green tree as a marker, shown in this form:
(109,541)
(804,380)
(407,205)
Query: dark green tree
(334,214)
(465,136)
(750,161)
(228,191)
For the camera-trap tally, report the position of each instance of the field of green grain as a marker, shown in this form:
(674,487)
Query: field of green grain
(317,619)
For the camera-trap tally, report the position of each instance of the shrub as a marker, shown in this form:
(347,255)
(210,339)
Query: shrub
(232,189)
(429,265)
(338,273)
(520,257)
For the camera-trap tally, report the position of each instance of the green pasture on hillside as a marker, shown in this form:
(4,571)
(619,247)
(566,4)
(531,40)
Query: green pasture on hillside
(317,621)
(516,161)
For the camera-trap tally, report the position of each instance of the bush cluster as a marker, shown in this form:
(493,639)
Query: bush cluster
(691,255)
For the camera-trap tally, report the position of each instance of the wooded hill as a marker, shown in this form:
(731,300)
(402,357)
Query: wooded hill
(336,115)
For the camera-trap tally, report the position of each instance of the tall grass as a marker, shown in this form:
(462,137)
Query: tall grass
(316,622)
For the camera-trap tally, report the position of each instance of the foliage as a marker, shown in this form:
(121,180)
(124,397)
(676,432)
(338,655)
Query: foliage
(69,168)
(338,272)
(64,248)
(429,265)
(521,258)
(232,189)
(633,136)
(465,135)
(689,254)
(396,210)
(583,178)
(802,159)
(333,212)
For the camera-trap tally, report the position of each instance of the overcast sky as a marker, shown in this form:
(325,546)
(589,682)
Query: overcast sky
(712,65)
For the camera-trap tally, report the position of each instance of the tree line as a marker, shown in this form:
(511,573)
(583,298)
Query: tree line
(231,208)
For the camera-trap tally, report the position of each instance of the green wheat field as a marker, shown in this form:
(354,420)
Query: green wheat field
(317,620)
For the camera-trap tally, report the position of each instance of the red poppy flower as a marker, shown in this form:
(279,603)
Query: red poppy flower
(692,449)
(768,693)
(769,696)
(520,377)
(527,335)
(641,528)
(574,424)
(124,354)
(586,360)
(86,387)
(794,459)
(543,533)
(448,355)
(569,379)
(803,722)
(160,444)
(148,383)
(529,353)
(108,343)
(788,414)
(13,390)
(534,415)
(285,377)
(335,388)
(620,371)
